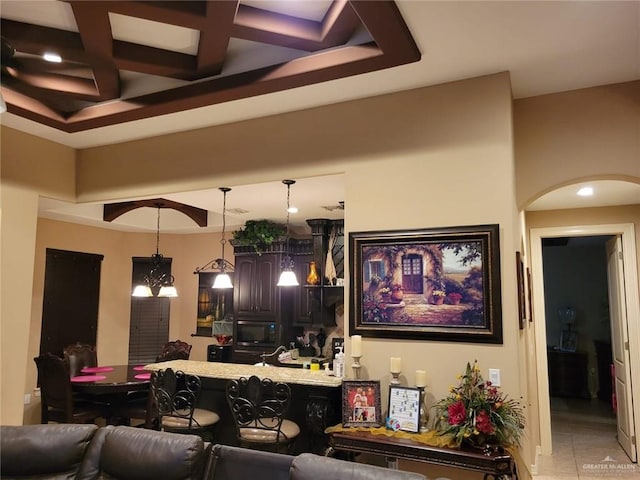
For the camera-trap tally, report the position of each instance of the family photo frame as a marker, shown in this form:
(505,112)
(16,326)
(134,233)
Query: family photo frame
(438,284)
(361,404)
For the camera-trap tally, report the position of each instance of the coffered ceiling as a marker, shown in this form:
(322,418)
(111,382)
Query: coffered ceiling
(134,70)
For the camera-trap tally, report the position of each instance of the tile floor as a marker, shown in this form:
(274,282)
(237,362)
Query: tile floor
(585,444)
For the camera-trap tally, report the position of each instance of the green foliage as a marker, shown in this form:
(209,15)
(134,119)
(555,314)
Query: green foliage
(259,234)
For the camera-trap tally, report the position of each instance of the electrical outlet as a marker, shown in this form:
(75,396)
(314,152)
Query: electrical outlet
(27,398)
(494,376)
(36,392)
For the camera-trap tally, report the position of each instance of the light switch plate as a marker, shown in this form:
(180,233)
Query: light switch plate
(494,376)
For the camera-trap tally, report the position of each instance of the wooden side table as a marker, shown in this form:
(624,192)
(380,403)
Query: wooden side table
(494,462)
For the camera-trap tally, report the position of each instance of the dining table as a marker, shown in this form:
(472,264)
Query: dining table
(112,386)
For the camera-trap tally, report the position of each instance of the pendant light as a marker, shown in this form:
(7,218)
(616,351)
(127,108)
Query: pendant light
(156,278)
(288,276)
(222,280)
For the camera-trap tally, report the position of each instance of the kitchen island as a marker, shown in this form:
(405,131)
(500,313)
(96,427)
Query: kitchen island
(316,397)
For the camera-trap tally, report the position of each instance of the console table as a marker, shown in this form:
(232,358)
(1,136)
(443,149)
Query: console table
(493,462)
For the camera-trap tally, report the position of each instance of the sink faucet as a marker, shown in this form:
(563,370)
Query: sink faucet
(278,350)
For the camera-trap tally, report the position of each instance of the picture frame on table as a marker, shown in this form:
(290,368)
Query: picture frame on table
(361,405)
(404,408)
(438,284)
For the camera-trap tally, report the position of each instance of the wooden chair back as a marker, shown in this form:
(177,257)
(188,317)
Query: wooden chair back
(175,350)
(78,356)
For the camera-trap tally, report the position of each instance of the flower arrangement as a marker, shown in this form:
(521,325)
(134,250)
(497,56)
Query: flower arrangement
(477,413)
(385,290)
(438,293)
(396,287)
(373,311)
(454,297)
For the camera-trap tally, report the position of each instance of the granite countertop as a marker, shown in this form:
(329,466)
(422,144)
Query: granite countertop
(229,371)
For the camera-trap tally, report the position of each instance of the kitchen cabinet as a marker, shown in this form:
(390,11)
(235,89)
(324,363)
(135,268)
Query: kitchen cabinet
(259,301)
(256,295)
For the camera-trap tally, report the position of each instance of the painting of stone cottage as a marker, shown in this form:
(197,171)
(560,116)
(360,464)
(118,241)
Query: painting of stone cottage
(426,283)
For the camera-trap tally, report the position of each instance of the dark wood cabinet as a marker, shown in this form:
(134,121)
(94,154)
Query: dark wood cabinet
(568,376)
(303,301)
(255,293)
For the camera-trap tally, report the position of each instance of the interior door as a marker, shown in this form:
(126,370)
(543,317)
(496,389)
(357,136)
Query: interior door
(620,347)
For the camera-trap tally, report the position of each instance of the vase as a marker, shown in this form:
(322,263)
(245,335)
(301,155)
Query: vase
(397,296)
(385,297)
(313,278)
(455,301)
(438,300)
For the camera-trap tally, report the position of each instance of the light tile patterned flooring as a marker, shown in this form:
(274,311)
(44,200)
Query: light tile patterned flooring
(585,444)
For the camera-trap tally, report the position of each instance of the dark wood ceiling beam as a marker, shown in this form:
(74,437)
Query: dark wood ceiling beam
(214,36)
(188,14)
(74,87)
(37,40)
(276,29)
(95,31)
(339,24)
(388,28)
(111,211)
(154,61)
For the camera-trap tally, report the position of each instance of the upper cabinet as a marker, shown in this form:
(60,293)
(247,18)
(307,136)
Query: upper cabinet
(255,293)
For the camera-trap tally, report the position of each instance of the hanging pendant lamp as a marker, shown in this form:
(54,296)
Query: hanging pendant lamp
(156,278)
(288,276)
(222,280)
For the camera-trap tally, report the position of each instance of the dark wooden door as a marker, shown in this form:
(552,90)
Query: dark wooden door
(412,273)
(71,296)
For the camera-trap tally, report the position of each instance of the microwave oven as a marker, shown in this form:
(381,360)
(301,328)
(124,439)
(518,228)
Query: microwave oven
(256,334)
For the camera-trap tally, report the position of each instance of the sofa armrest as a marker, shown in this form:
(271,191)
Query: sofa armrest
(128,453)
(43,451)
(231,463)
(308,466)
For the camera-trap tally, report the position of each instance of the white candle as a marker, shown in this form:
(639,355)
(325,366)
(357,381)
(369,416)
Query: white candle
(421,378)
(356,346)
(395,365)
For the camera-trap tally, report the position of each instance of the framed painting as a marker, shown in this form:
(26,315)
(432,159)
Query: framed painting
(522,308)
(438,284)
(361,406)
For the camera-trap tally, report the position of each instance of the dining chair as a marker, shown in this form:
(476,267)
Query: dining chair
(175,350)
(57,400)
(175,396)
(259,407)
(79,355)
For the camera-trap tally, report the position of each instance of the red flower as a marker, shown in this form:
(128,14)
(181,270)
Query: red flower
(457,413)
(483,422)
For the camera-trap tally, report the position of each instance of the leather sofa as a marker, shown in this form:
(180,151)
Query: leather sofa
(88,452)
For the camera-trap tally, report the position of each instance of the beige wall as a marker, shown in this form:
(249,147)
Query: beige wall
(430,157)
(29,165)
(593,133)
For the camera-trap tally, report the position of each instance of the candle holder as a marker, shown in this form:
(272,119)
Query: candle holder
(395,378)
(356,366)
(424,415)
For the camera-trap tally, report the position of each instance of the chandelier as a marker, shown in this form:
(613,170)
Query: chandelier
(156,279)
(222,280)
(287,275)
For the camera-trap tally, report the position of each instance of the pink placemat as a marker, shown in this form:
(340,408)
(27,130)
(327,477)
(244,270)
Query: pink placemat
(139,368)
(96,369)
(88,378)
(143,376)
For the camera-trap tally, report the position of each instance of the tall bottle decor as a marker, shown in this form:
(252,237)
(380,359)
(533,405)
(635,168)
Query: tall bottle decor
(313,278)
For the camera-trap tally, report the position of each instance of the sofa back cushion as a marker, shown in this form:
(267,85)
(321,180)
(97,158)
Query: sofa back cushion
(52,452)
(308,466)
(234,463)
(128,453)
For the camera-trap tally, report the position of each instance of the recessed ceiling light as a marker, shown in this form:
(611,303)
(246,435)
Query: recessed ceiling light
(585,191)
(292,209)
(52,57)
